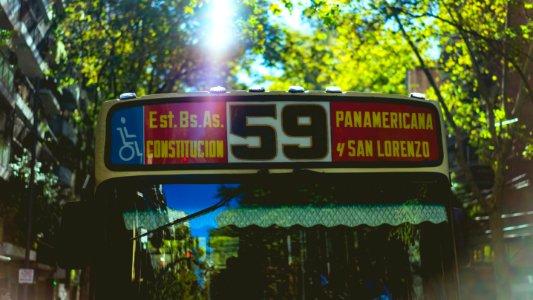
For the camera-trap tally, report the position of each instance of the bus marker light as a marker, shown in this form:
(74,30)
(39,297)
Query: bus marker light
(256,89)
(417,96)
(296,89)
(217,90)
(127,96)
(333,89)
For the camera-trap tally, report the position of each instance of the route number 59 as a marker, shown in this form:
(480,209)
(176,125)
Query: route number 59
(278,132)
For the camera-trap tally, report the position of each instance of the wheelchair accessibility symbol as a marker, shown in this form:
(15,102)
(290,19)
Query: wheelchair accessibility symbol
(130,147)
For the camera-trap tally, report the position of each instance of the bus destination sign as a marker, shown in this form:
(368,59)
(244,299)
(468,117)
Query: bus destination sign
(225,132)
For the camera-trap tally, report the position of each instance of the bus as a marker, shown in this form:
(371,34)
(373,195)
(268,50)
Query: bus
(266,195)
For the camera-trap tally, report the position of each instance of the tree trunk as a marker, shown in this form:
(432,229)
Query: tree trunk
(501,267)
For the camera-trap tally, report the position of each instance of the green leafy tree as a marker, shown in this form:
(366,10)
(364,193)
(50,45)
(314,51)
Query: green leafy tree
(5,38)
(483,85)
(336,51)
(143,46)
(179,277)
(486,48)
(46,206)
(112,47)
(148,46)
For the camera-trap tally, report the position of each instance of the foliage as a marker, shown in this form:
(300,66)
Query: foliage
(46,205)
(145,46)
(485,54)
(115,47)
(179,277)
(21,170)
(337,51)
(5,37)
(111,47)
(483,68)
(257,34)
(172,284)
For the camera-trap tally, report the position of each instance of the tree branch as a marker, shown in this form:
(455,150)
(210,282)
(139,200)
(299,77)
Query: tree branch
(524,85)
(486,91)
(498,48)
(457,131)
(472,32)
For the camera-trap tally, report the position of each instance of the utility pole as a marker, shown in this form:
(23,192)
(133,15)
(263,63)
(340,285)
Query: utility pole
(31,188)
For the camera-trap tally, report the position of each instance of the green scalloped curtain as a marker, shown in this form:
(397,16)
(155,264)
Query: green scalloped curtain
(151,219)
(307,216)
(352,215)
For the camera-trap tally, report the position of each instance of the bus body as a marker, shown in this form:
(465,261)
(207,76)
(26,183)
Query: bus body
(272,195)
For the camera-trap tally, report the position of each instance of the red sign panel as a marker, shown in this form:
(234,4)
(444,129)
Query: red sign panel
(185,133)
(369,131)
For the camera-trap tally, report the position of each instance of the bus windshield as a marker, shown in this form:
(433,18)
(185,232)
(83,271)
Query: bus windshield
(277,239)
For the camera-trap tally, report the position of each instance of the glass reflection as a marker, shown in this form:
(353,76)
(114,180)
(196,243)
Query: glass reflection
(287,243)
